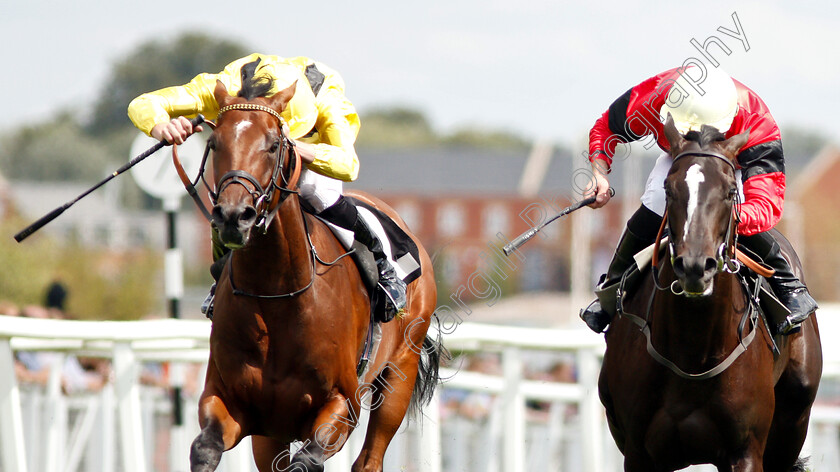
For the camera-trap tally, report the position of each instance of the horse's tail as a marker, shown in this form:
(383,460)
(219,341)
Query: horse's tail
(801,465)
(428,371)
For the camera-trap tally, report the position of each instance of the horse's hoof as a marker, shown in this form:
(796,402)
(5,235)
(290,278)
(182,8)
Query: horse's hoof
(308,461)
(206,450)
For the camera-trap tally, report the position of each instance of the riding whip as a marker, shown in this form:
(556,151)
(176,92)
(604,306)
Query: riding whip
(26,232)
(527,235)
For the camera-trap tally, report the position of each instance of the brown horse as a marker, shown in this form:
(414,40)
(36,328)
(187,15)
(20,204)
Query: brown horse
(689,388)
(292,314)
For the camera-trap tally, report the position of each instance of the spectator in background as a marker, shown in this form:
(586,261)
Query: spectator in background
(36,365)
(56,296)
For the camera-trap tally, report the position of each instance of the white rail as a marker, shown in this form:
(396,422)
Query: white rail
(128,344)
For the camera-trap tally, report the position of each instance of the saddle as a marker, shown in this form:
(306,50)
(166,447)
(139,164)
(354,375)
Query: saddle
(402,253)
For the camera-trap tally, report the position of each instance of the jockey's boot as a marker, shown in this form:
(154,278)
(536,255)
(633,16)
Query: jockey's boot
(786,285)
(640,233)
(344,214)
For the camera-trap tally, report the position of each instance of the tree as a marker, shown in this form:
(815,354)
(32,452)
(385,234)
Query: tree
(800,146)
(395,127)
(484,138)
(155,65)
(54,150)
(406,127)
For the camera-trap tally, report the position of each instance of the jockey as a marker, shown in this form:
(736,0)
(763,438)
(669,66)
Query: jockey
(319,119)
(728,105)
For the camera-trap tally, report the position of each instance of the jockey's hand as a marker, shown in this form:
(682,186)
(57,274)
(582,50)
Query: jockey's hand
(600,186)
(306,151)
(174,131)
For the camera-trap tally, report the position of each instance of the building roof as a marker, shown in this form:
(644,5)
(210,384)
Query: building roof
(458,171)
(451,170)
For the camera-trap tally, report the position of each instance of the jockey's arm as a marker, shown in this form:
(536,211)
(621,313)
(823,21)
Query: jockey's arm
(333,153)
(164,113)
(629,118)
(764,182)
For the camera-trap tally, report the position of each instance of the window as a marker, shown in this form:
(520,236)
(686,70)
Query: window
(450,220)
(495,219)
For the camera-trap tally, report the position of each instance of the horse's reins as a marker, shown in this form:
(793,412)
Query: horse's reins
(728,261)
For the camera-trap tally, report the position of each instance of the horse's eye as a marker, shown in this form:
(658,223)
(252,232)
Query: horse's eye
(732,192)
(274,147)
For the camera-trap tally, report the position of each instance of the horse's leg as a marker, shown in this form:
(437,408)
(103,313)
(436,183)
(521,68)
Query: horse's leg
(638,461)
(270,454)
(330,430)
(748,460)
(219,430)
(795,393)
(390,396)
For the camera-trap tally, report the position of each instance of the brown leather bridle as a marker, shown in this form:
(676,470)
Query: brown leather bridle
(266,200)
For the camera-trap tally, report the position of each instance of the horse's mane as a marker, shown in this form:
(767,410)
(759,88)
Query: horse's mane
(706,135)
(254,86)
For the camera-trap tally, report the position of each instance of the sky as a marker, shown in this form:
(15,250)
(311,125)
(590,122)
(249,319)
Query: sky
(545,69)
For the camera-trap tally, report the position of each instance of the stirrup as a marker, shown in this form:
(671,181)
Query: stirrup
(801,305)
(393,288)
(595,317)
(207,304)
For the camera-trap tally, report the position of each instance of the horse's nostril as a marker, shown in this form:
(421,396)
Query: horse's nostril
(240,215)
(679,266)
(249,214)
(218,215)
(711,264)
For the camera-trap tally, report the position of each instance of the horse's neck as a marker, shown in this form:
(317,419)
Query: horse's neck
(698,329)
(278,260)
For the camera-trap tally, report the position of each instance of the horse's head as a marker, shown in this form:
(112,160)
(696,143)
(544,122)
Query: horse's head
(250,161)
(701,192)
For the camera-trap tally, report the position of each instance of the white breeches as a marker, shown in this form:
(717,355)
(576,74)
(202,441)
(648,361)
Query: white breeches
(654,196)
(320,191)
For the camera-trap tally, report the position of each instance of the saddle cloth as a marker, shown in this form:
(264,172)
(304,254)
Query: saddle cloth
(397,245)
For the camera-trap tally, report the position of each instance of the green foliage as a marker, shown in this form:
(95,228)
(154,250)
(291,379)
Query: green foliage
(400,127)
(53,150)
(480,138)
(101,284)
(395,127)
(154,65)
(800,146)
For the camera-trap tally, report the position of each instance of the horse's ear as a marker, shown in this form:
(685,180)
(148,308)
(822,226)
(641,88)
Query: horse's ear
(675,139)
(280,99)
(734,144)
(221,94)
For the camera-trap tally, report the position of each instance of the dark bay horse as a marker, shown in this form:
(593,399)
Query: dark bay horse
(292,314)
(717,403)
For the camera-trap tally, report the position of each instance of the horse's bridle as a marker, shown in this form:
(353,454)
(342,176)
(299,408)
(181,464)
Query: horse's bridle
(727,262)
(726,253)
(266,201)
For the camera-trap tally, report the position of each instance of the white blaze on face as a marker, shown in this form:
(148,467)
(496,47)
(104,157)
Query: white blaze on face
(693,177)
(240,128)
